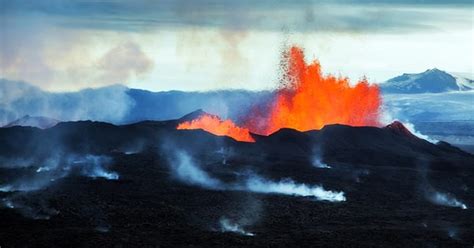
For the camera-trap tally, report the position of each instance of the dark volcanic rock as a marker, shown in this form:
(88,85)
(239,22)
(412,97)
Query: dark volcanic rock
(398,127)
(390,179)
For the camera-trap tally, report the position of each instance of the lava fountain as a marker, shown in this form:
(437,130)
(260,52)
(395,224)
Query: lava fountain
(306,100)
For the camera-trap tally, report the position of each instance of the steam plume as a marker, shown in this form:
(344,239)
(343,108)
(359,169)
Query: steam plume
(446,200)
(229,226)
(185,169)
(318,163)
(289,187)
(93,166)
(59,166)
(433,195)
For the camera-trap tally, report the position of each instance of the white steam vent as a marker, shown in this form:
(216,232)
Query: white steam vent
(229,226)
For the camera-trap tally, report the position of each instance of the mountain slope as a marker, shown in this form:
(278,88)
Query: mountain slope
(464,81)
(429,81)
(119,104)
(340,143)
(400,191)
(40,122)
(17,99)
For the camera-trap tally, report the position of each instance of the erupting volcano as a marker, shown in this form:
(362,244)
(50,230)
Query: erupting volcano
(306,100)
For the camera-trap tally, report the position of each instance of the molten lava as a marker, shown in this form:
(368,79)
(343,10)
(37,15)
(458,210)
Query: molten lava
(215,125)
(308,100)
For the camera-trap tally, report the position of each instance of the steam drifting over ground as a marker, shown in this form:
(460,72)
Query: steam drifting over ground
(187,171)
(435,196)
(229,226)
(289,187)
(59,166)
(39,175)
(446,200)
(318,163)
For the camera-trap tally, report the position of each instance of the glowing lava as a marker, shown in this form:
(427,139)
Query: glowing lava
(215,125)
(308,100)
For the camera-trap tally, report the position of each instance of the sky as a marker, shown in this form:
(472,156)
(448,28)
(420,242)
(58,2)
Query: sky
(228,44)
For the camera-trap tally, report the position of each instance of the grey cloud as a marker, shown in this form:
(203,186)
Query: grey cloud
(122,62)
(298,16)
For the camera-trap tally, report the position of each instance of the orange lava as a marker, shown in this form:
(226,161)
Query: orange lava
(215,125)
(308,100)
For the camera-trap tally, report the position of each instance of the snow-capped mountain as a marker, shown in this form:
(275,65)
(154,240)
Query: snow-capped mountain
(429,81)
(34,121)
(465,81)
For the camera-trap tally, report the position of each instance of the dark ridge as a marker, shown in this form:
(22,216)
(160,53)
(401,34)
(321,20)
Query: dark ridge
(193,115)
(388,179)
(393,144)
(399,128)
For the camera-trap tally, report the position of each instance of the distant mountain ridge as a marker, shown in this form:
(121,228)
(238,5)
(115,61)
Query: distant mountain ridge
(119,104)
(429,81)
